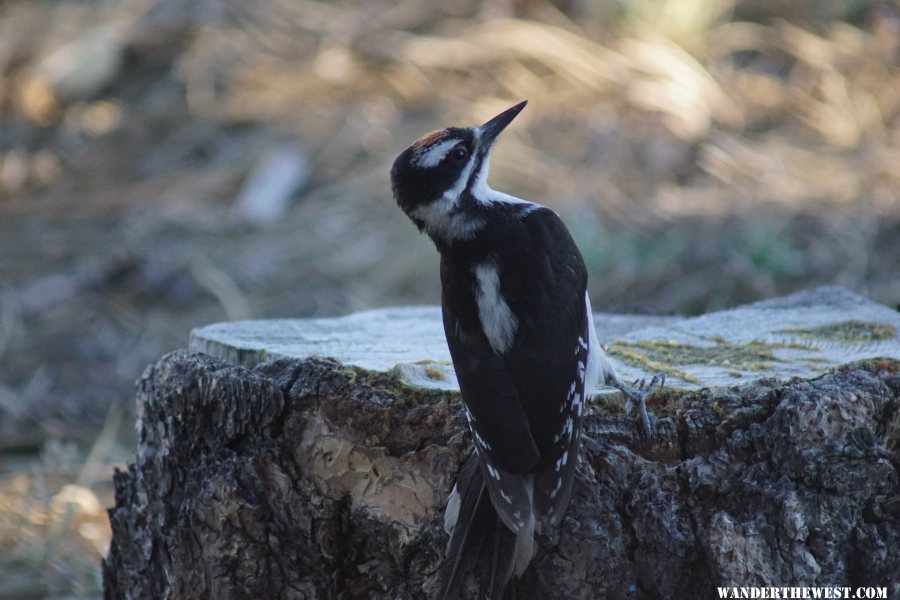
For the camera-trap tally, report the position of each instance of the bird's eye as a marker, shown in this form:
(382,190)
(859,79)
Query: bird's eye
(459,154)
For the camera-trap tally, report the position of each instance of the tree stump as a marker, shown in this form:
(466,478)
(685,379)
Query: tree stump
(311,477)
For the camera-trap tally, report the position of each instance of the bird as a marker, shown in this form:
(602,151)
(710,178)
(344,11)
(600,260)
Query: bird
(519,327)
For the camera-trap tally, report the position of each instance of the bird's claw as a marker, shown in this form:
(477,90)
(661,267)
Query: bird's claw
(637,393)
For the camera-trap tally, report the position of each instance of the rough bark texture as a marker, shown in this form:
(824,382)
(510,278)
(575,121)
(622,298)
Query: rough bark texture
(314,480)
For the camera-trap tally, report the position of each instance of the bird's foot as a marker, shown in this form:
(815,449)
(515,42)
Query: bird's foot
(637,393)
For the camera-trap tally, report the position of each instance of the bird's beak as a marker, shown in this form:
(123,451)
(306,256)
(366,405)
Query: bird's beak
(491,129)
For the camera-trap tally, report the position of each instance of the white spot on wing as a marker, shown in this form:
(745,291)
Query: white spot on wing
(480,440)
(556,489)
(497,320)
(493,472)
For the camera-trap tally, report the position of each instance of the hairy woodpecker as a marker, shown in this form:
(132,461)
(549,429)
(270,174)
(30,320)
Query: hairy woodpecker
(518,323)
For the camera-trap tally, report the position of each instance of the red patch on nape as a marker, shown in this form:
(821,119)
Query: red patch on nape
(429,139)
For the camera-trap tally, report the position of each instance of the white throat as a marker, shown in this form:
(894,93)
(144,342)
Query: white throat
(483,193)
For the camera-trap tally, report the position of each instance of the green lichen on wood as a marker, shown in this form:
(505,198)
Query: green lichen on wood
(662,355)
(396,390)
(718,339)
(847,332)
(628,353)
(434,369)
(436,374)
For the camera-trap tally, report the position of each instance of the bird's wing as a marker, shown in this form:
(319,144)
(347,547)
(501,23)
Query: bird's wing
(552,361)
(553,486)
(500,429)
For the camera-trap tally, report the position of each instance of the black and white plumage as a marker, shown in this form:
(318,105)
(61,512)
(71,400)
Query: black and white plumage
(519,326)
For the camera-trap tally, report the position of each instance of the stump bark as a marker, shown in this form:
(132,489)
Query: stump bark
(310,479)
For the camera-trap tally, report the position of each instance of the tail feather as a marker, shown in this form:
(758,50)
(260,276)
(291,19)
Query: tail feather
(475,516)
(480,541)
(500,549)
(525,548)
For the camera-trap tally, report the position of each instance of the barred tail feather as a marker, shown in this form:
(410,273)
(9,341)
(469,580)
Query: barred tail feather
(474,517)
(498,561)
(481,542)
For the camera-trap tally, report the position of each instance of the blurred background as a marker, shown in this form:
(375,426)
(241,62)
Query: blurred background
(167,164)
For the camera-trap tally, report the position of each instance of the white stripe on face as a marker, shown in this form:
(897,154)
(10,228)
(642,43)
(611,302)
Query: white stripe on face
(452,195)
(434,155)
(480,189)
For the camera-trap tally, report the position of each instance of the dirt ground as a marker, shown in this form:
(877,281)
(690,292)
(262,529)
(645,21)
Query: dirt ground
(164,165)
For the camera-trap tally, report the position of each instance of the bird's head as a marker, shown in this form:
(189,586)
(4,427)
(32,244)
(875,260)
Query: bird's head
(433,175)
